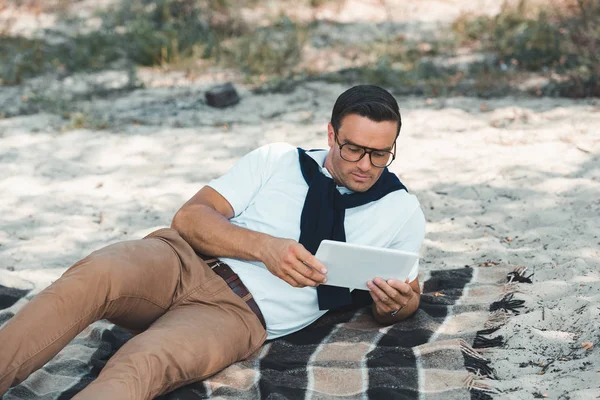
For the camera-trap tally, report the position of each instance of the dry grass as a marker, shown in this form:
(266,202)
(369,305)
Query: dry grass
(561,42)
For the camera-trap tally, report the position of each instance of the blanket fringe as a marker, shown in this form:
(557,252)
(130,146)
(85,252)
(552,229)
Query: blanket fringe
(473,381)
(479,368)
(507,303)
(482,342)
(518,275)
(480,395)
(501,311)
(511,288)
(475,362)
(496,319)
(479,388)
(488,331)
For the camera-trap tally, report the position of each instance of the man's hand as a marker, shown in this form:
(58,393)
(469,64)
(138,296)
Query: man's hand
(393,300)
(290,261)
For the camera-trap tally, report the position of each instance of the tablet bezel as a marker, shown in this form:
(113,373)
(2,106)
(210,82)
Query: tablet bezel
(351,265)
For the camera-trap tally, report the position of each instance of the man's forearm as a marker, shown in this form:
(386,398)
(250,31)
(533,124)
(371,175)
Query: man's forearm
(210,233)
(203,222)
(407,311)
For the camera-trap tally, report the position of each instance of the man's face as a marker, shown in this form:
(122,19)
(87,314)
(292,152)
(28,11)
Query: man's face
(358,176)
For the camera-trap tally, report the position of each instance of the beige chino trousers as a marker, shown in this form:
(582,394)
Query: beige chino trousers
(189,323)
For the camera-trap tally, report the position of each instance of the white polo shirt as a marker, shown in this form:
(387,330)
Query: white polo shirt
(266,191)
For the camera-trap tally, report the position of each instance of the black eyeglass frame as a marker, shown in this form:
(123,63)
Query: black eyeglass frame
(365,151)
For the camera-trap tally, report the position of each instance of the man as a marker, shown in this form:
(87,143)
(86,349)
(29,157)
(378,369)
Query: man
(264,220)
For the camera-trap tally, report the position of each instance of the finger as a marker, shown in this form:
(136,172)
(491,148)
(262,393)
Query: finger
(399,297)
(301,279)
(306,257)
(281,274)
(290,280)
(381,307)
(309,272)
(382,295)
(289,269)
(391,292)
(402,287)
(374,297)
(315,263)
(297,261)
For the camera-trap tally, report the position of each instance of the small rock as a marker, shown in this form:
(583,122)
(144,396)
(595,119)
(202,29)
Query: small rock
(222,96)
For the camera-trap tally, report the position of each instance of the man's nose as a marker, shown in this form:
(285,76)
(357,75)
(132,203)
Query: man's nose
(364,164)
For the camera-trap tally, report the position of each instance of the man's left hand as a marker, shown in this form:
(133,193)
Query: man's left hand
(390,296)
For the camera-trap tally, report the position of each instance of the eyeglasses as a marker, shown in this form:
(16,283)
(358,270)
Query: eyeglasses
(354,153)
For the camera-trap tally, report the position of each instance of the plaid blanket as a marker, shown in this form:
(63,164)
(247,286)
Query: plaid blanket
(435,355)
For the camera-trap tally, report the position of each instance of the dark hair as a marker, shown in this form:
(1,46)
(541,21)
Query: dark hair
(369,101)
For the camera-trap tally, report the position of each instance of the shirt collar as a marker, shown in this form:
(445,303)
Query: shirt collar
(320,156)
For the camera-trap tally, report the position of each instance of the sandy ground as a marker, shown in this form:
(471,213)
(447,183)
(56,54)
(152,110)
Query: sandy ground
(508,180)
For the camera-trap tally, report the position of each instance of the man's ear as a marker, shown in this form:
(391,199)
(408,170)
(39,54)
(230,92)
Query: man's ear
(330,135)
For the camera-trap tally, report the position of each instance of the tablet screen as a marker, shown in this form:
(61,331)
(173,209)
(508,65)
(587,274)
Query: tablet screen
(352,265)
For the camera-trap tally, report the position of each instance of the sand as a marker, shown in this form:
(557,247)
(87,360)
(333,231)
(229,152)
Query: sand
(511,180)
(508,180)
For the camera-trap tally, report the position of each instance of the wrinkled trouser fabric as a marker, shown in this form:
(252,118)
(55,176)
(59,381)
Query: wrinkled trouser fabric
(189,323)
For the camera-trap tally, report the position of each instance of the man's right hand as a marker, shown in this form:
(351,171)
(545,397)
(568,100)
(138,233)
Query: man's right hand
(290,261)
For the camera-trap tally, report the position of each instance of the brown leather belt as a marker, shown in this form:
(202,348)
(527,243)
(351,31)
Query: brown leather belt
(235,283)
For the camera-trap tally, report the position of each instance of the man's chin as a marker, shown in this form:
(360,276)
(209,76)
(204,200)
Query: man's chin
(359,186)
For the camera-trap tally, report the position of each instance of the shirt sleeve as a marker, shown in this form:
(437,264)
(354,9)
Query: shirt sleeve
(244,180)
(410,236)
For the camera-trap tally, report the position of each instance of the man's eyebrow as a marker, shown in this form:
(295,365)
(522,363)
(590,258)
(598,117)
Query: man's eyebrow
(369,148)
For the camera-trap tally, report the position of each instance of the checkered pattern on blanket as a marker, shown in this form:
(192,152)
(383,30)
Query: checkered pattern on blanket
(432,355)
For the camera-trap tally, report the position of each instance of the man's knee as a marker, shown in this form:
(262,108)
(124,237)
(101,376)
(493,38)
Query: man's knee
(93,266)
(101,271)
(118,258)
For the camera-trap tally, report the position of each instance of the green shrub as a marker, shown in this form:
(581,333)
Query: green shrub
(147,32)
(534,42)
(469,28)
(581,65)
(271,50)
(562,39)
(156,32)
(21,58)
(518,35)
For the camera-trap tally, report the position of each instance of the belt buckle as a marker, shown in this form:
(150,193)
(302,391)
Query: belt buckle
(228,275)
(218,263)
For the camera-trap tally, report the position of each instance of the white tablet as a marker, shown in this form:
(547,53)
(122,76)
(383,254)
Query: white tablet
(352,265)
